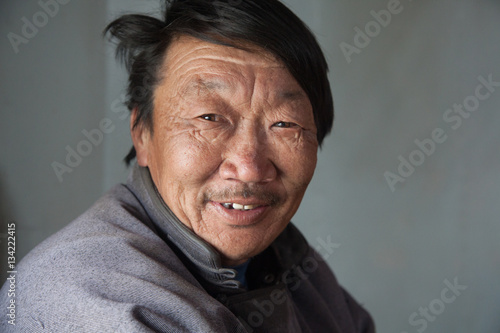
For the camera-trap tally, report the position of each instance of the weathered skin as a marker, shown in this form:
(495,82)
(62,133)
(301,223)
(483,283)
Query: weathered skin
(225,121)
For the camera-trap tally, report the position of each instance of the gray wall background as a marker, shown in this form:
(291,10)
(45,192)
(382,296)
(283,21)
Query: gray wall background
(395,249)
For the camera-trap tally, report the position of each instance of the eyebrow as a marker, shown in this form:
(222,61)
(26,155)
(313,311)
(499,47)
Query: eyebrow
(201,84)
(210,84)
(293,95)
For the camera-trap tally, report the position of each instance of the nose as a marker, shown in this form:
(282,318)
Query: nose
(248,157)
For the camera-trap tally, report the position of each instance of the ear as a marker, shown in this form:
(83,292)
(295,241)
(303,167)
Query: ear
(141,139)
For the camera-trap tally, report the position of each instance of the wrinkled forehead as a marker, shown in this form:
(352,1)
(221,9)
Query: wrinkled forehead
(187,48)
(191,63)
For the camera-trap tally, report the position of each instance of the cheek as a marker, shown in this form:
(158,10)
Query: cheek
(185,159)
(302,169)
(181,168)
(296,161)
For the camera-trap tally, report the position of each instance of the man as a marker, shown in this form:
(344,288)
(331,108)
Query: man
(234,101)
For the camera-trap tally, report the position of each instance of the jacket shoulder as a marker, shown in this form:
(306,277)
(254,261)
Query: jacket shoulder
(109,271)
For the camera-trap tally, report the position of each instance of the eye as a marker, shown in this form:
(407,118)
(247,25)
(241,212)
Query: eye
(210,117)
(284,124)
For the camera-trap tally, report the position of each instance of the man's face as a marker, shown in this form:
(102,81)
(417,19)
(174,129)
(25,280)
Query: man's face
(233,146)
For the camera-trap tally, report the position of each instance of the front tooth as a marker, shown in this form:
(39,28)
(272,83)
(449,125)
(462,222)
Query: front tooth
(249,207)
(238,206)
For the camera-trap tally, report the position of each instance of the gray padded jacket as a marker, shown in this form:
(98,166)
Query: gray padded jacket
(129,265)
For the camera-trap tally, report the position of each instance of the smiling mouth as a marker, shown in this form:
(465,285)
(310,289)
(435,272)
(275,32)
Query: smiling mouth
(230,205)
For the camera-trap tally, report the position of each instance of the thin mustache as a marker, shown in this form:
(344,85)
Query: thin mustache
(245,192)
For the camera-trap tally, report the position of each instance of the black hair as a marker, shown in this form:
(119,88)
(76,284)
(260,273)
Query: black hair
(143,42)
